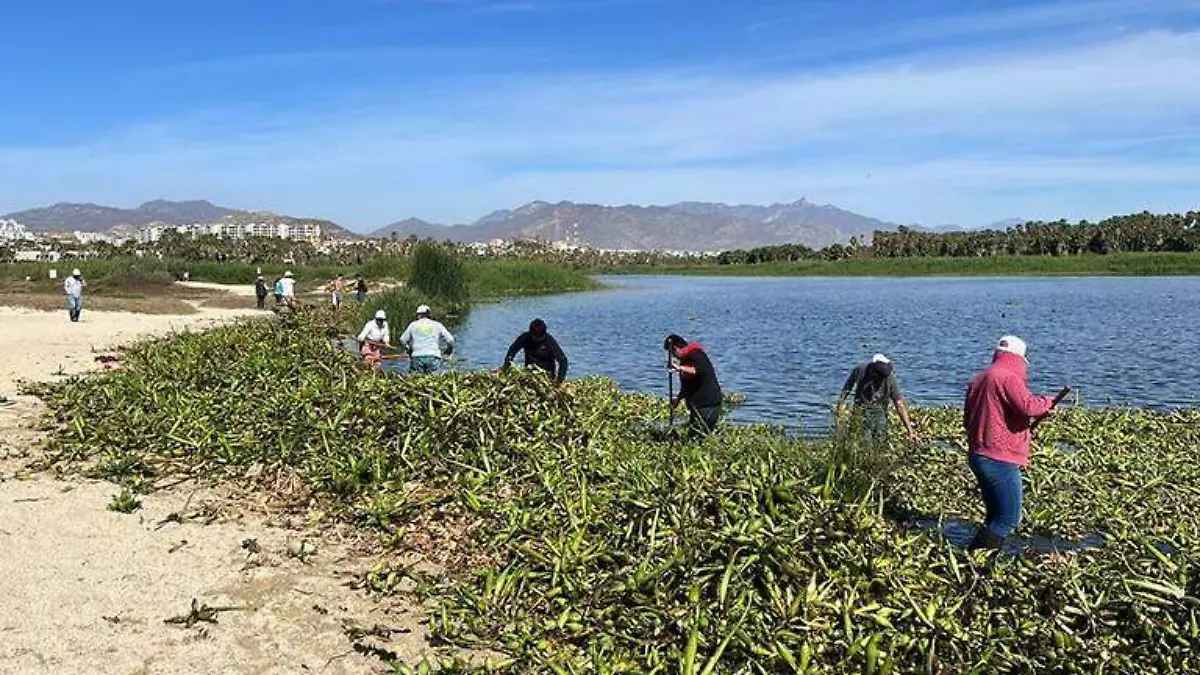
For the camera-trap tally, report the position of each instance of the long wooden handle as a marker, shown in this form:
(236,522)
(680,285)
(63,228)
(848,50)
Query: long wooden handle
(670,388)
(1058,398)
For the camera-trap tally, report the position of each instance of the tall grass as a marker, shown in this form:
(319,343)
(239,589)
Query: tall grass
(438,273)
(123,275)
(494,278)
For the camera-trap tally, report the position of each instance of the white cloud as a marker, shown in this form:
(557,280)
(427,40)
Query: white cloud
(1030,133)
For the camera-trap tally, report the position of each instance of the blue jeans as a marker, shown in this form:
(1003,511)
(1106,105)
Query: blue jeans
(74,306)
(1000,483)
(424,365)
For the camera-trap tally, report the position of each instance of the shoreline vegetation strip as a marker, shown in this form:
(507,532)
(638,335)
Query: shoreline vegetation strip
(575,540)
(1112,264)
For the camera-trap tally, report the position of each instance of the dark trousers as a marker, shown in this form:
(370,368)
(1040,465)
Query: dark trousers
(262,302)
(360,296)
(702,420)
(1000,483)
(875,428)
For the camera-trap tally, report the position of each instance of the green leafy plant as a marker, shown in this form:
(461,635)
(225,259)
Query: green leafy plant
(125,501)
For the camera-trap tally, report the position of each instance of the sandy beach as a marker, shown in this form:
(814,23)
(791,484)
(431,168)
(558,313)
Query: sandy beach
(87,590)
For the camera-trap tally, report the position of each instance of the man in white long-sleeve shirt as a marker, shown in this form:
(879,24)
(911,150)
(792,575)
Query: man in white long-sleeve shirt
(426,341)
(374,337)
(73,287)
(288,288)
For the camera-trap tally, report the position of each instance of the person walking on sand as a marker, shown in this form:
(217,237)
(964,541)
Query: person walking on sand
(541,351)
(360,289)
(338,287)
(288,287)
(699,387)
(73,287)
(260,292)
(373,337)
(278,291)
(875,386)
(997,416)
(426,342)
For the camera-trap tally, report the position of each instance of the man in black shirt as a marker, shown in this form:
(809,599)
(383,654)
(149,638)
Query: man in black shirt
(698,385)
(260,292)
(541,351)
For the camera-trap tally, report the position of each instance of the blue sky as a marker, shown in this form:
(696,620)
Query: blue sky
(369,111)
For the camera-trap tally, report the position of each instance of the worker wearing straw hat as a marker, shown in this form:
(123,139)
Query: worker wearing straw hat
(875,386)
(73,287)
(427,341)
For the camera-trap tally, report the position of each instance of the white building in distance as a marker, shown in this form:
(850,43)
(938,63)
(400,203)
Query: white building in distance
(95,237)
(279,230)
(12,231)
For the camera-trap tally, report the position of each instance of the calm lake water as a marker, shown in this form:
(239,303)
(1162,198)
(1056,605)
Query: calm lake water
(788,343)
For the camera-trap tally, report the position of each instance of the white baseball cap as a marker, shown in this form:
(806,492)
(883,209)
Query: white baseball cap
(287,273)
(381,315)
(1011,344)
(423,309)
(75,272)
(880,358)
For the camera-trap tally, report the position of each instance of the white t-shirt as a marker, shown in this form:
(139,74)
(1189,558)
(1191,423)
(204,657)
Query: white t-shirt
(425,337)
(375,333)
(288,285)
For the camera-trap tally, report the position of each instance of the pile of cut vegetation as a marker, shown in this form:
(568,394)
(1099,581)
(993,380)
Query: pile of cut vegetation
(584,545)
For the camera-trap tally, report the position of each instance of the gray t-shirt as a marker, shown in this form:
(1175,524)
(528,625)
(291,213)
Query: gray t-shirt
(870,396)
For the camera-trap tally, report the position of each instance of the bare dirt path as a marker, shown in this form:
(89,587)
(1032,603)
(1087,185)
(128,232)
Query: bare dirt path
(87,590)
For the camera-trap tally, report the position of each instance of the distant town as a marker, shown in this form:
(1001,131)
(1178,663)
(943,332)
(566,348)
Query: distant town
(24,245)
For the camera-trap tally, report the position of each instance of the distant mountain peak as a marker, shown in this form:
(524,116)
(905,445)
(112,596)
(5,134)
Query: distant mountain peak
(88,217)
(682,226)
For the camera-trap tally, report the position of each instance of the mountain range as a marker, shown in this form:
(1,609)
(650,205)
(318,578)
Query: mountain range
(686,226)
(72,217)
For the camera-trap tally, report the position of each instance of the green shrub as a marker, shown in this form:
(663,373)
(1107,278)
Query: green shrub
(438,273)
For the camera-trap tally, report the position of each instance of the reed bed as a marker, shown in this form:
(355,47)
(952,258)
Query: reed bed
(581,543)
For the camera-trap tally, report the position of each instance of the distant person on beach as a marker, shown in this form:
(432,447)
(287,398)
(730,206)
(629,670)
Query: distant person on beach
(337,286)
(699,387)
(998,413)
(260,292)
(427,342)
(373,337)
(874,386)
(541,351)
(288,285)
(73,287)
(360,289)
(278,291)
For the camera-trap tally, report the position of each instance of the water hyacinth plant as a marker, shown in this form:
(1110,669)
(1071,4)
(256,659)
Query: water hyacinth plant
(582,544)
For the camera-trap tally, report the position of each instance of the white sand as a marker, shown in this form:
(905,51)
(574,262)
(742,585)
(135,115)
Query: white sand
(86,590)
(244,290)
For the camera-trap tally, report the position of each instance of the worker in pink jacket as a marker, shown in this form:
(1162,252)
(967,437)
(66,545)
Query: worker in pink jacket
(998,413)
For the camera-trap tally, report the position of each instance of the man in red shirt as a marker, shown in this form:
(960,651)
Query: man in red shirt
(997,415)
